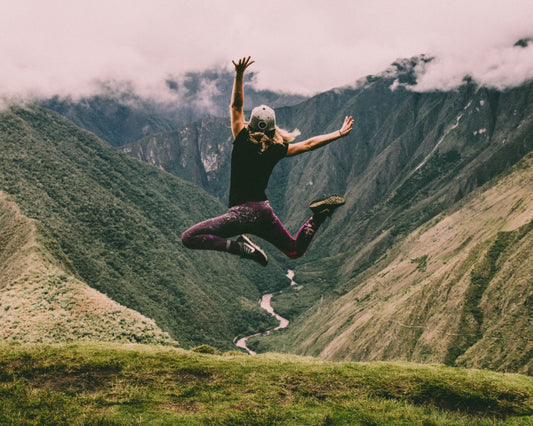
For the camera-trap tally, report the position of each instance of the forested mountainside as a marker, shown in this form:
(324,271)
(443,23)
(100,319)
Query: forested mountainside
(43,301)
(410,157)
(117,225)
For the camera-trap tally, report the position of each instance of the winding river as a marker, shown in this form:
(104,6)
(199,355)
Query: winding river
(265,304)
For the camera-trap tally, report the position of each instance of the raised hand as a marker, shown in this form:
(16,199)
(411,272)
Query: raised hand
(243,63)
(346,126)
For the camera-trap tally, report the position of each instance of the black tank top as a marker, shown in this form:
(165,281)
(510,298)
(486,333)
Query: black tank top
(251,168)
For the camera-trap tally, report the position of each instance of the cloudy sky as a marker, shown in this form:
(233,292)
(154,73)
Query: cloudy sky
(305,46)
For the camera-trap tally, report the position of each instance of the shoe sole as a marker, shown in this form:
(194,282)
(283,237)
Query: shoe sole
(247,240)
(326,203)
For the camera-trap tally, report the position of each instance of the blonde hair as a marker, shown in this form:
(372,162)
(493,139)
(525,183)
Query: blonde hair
(281,136)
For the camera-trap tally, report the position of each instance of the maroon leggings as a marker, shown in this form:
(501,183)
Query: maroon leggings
(254,217)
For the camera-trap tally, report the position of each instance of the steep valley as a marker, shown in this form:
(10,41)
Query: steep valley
(118,223)
(457,290)
(428,261)
(411,160)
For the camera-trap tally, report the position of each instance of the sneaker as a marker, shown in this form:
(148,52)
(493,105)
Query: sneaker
(250,250)
(323,207)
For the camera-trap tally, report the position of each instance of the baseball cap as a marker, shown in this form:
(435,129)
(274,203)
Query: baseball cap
(263,119)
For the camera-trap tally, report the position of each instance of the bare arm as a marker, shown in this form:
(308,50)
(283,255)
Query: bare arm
(321,140)
(237,97)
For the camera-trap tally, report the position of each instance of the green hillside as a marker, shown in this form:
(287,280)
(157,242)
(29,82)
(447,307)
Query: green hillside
(456,290)
(118,225)
(140,384)
(42,301)
(410,158)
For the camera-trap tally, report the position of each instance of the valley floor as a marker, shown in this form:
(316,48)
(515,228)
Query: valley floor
(97,383)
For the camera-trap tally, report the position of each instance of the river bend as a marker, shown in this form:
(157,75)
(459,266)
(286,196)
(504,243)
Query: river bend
(265,303)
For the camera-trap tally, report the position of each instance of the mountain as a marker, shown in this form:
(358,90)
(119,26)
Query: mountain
(43,301)
(117,118)
(427,261)
(411,157)
(119,115)
(457,290)
(116,225)
(198,152)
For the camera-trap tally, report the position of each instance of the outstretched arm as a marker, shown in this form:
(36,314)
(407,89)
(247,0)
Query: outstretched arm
(321,140)
(237,97)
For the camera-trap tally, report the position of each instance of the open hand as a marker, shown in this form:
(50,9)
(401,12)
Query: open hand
(346,126)
(242,64)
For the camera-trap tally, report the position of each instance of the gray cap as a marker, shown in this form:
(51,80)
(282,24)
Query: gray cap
(263,119)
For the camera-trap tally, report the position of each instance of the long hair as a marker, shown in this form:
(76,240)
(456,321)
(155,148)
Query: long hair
(279,136)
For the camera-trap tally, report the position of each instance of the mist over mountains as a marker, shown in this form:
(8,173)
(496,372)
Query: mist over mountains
(120,115)
(428,261)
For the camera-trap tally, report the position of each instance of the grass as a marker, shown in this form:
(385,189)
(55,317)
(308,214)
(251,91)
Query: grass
(90,383)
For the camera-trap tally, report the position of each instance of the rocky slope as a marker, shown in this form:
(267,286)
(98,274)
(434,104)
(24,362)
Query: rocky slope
(457,290)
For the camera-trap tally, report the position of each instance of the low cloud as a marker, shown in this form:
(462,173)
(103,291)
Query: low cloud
(497,67)
(70,48)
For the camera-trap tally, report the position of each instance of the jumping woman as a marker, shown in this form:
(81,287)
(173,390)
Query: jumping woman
(258,146)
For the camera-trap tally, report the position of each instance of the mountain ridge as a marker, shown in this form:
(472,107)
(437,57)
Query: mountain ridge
(119,115)
(44,302)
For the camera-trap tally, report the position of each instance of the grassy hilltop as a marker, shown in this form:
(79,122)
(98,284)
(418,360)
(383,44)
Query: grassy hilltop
(140,384)
(41,299)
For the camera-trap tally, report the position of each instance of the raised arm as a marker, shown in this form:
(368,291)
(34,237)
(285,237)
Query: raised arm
(321,140)
(237,97)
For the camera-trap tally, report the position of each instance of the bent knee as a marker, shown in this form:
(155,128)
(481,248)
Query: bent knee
(294,254)
(186,238)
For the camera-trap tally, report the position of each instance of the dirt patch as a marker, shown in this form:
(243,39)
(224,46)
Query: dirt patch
(91,381)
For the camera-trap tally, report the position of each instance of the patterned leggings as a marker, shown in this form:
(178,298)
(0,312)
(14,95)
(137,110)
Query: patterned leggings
(255,217)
